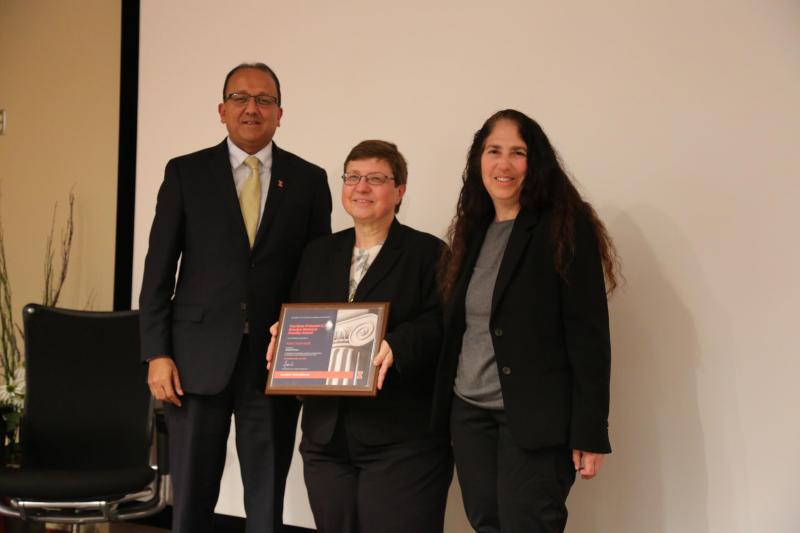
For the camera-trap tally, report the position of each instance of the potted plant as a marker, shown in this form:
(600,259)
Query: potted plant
(12,361)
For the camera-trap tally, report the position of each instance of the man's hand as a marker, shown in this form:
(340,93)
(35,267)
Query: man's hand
(587,463)
(273,330)
(384,360)
(162,377)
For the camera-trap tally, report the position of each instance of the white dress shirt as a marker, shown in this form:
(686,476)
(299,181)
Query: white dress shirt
(242,171)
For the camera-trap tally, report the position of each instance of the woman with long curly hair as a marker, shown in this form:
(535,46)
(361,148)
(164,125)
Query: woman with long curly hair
(523,381)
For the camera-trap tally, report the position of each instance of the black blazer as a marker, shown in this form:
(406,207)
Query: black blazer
(222,283)
(403,273)
(550,337)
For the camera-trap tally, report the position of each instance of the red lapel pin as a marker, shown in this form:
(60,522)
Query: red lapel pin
(280,184)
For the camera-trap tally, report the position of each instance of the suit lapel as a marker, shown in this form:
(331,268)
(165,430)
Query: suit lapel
(383,263)
(518,241)
(339,266)
(455,321)
(278,187)
(454,314)
(222,174)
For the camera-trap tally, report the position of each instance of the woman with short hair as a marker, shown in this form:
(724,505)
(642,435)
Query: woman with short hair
(371,464)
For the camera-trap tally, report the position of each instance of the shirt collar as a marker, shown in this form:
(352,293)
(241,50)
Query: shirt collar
(237,155)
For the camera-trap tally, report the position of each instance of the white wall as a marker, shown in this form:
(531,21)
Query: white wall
(681,122)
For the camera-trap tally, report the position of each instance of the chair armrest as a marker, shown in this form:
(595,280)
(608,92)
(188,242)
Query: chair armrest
(162,442)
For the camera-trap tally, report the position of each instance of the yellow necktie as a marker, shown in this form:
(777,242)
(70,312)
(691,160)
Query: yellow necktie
(250,198)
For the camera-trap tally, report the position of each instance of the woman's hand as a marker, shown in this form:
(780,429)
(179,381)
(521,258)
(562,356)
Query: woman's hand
(587,463)
(273,330)
(384,360)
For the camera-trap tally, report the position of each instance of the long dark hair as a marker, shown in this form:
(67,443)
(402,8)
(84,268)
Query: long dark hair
(546,187)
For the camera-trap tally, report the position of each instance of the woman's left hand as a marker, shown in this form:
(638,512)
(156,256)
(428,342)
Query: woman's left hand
(384,360)
(587,463)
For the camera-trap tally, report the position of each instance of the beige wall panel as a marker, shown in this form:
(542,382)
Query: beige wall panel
(59,84)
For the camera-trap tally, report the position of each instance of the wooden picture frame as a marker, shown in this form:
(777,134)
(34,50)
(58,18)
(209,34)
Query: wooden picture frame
(328,349)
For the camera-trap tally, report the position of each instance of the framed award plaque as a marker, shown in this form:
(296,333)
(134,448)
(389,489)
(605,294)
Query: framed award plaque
(328,349)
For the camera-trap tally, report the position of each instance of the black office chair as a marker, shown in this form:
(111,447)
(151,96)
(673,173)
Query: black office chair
(88,424)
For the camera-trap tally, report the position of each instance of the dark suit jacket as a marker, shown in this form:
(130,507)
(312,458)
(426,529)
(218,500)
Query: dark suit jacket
(222,283)
(403,273)
(550,337)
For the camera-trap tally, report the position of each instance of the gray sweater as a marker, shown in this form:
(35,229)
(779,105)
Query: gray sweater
(477,380)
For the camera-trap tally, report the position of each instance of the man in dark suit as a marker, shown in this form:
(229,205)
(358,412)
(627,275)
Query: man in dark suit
(236,217)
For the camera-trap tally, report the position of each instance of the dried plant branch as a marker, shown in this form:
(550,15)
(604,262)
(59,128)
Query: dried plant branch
(10,354)
(90,300)
(53,284)
(47,290)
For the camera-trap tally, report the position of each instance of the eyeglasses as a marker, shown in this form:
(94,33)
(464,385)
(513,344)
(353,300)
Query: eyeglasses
(375,179)
(242,99)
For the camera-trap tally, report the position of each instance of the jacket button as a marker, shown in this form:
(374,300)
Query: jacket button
(243,306)
(498,332)
(507,370)
(253,264)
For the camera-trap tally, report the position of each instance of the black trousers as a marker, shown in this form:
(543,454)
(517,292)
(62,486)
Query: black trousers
(393,488)
(198,435)
(506,488)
